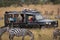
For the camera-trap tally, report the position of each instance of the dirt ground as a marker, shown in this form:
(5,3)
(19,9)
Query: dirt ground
(46,34)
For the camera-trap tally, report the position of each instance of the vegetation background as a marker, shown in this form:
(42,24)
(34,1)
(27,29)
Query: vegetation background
(5,3)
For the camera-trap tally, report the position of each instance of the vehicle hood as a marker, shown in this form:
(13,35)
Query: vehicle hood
(46,20)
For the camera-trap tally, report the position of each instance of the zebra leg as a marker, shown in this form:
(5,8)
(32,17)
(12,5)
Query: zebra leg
(0,38)
(54,37)
(59,38)
(31,35)
(11,37)
(23,37)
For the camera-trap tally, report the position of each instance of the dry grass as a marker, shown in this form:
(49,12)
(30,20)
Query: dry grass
(46,34)
(41,8)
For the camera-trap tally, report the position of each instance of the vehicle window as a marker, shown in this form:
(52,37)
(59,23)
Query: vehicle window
(30,18)
(38,17)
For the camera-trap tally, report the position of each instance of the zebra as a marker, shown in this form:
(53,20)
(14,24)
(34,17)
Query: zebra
(16,32)
(3,29)
(19,32)
(56,33)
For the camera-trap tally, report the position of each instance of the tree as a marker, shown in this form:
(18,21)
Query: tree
(55,1)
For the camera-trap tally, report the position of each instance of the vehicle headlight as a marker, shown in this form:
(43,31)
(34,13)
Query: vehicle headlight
(47,23)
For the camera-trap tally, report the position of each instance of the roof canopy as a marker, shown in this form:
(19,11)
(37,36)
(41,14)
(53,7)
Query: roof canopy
(33,12)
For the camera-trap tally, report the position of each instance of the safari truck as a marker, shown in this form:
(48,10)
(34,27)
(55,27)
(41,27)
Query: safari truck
(30,19)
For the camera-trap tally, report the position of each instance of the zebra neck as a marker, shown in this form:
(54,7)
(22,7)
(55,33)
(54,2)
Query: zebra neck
(2,30)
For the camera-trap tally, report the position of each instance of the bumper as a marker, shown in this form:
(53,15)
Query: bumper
(50,24)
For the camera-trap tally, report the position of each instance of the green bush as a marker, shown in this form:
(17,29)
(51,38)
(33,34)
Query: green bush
(4,3)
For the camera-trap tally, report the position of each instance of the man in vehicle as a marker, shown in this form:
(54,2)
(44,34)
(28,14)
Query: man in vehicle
(11,20)
(19,18)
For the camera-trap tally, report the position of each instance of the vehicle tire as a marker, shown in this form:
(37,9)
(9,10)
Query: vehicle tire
(40,27)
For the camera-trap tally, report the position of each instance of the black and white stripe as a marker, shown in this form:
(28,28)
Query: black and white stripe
(17,31)
(20,32)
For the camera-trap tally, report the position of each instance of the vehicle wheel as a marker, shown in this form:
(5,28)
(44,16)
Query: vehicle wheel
(31,26)
(40,27)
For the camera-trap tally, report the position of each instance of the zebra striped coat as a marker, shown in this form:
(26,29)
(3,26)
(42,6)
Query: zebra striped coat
(19,32)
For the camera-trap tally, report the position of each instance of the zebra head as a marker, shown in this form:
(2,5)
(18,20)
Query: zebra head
(3,29)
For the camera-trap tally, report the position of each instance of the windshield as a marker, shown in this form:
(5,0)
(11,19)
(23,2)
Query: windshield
(39,17)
